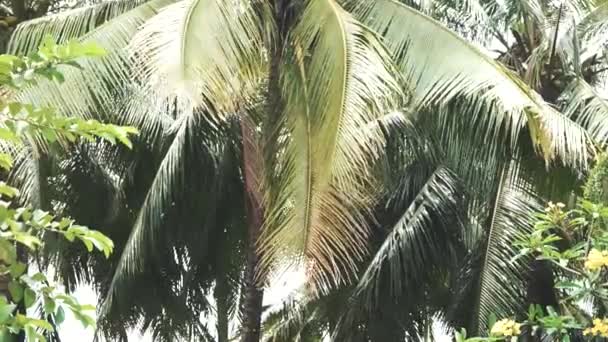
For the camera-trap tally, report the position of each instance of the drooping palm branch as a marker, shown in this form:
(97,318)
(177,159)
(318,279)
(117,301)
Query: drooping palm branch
(193,63)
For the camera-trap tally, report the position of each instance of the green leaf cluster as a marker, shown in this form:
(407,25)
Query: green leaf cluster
(27,226)
(575,242)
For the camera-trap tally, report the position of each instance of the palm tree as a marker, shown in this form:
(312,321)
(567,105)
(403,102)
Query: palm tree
(553,48)
(442,243)
(169,297)
(333,77)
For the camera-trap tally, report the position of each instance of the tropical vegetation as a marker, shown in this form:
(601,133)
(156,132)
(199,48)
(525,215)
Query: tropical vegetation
(24,228)
(573,242)
(392,151)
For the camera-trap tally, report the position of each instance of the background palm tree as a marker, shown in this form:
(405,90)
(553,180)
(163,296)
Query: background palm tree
(489,283)
(453,131)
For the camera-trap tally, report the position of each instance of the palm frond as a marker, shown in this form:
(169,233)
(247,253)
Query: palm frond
(439,66)
(498,282)
(196,191)
(197,53)
(67,25)
(83,93)
(25,176)
(587,107)
(296,320)
(23,173)
(336,81)
(95,90)
(161,194)
(415,241)
(593,31)
(472,148)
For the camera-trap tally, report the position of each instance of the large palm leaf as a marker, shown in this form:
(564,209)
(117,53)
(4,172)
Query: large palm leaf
(174,75)
(67,25)
(95,89)
(586,105)
(207,237)
(200,54)
(195,62)
(497,282)
(416,241)
(419,43)
(336,82)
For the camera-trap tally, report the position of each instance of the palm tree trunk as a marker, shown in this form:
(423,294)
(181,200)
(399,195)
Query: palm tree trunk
(251,305)
(222,322)
(221,301)
(252,299)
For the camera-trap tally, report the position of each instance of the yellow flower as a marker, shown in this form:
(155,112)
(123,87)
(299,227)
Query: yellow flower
(506,327)
(599,328)
(596,260)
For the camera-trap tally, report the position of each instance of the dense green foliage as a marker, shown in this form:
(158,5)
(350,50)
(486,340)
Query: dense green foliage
(370,143)
(22,229)
(575,242)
